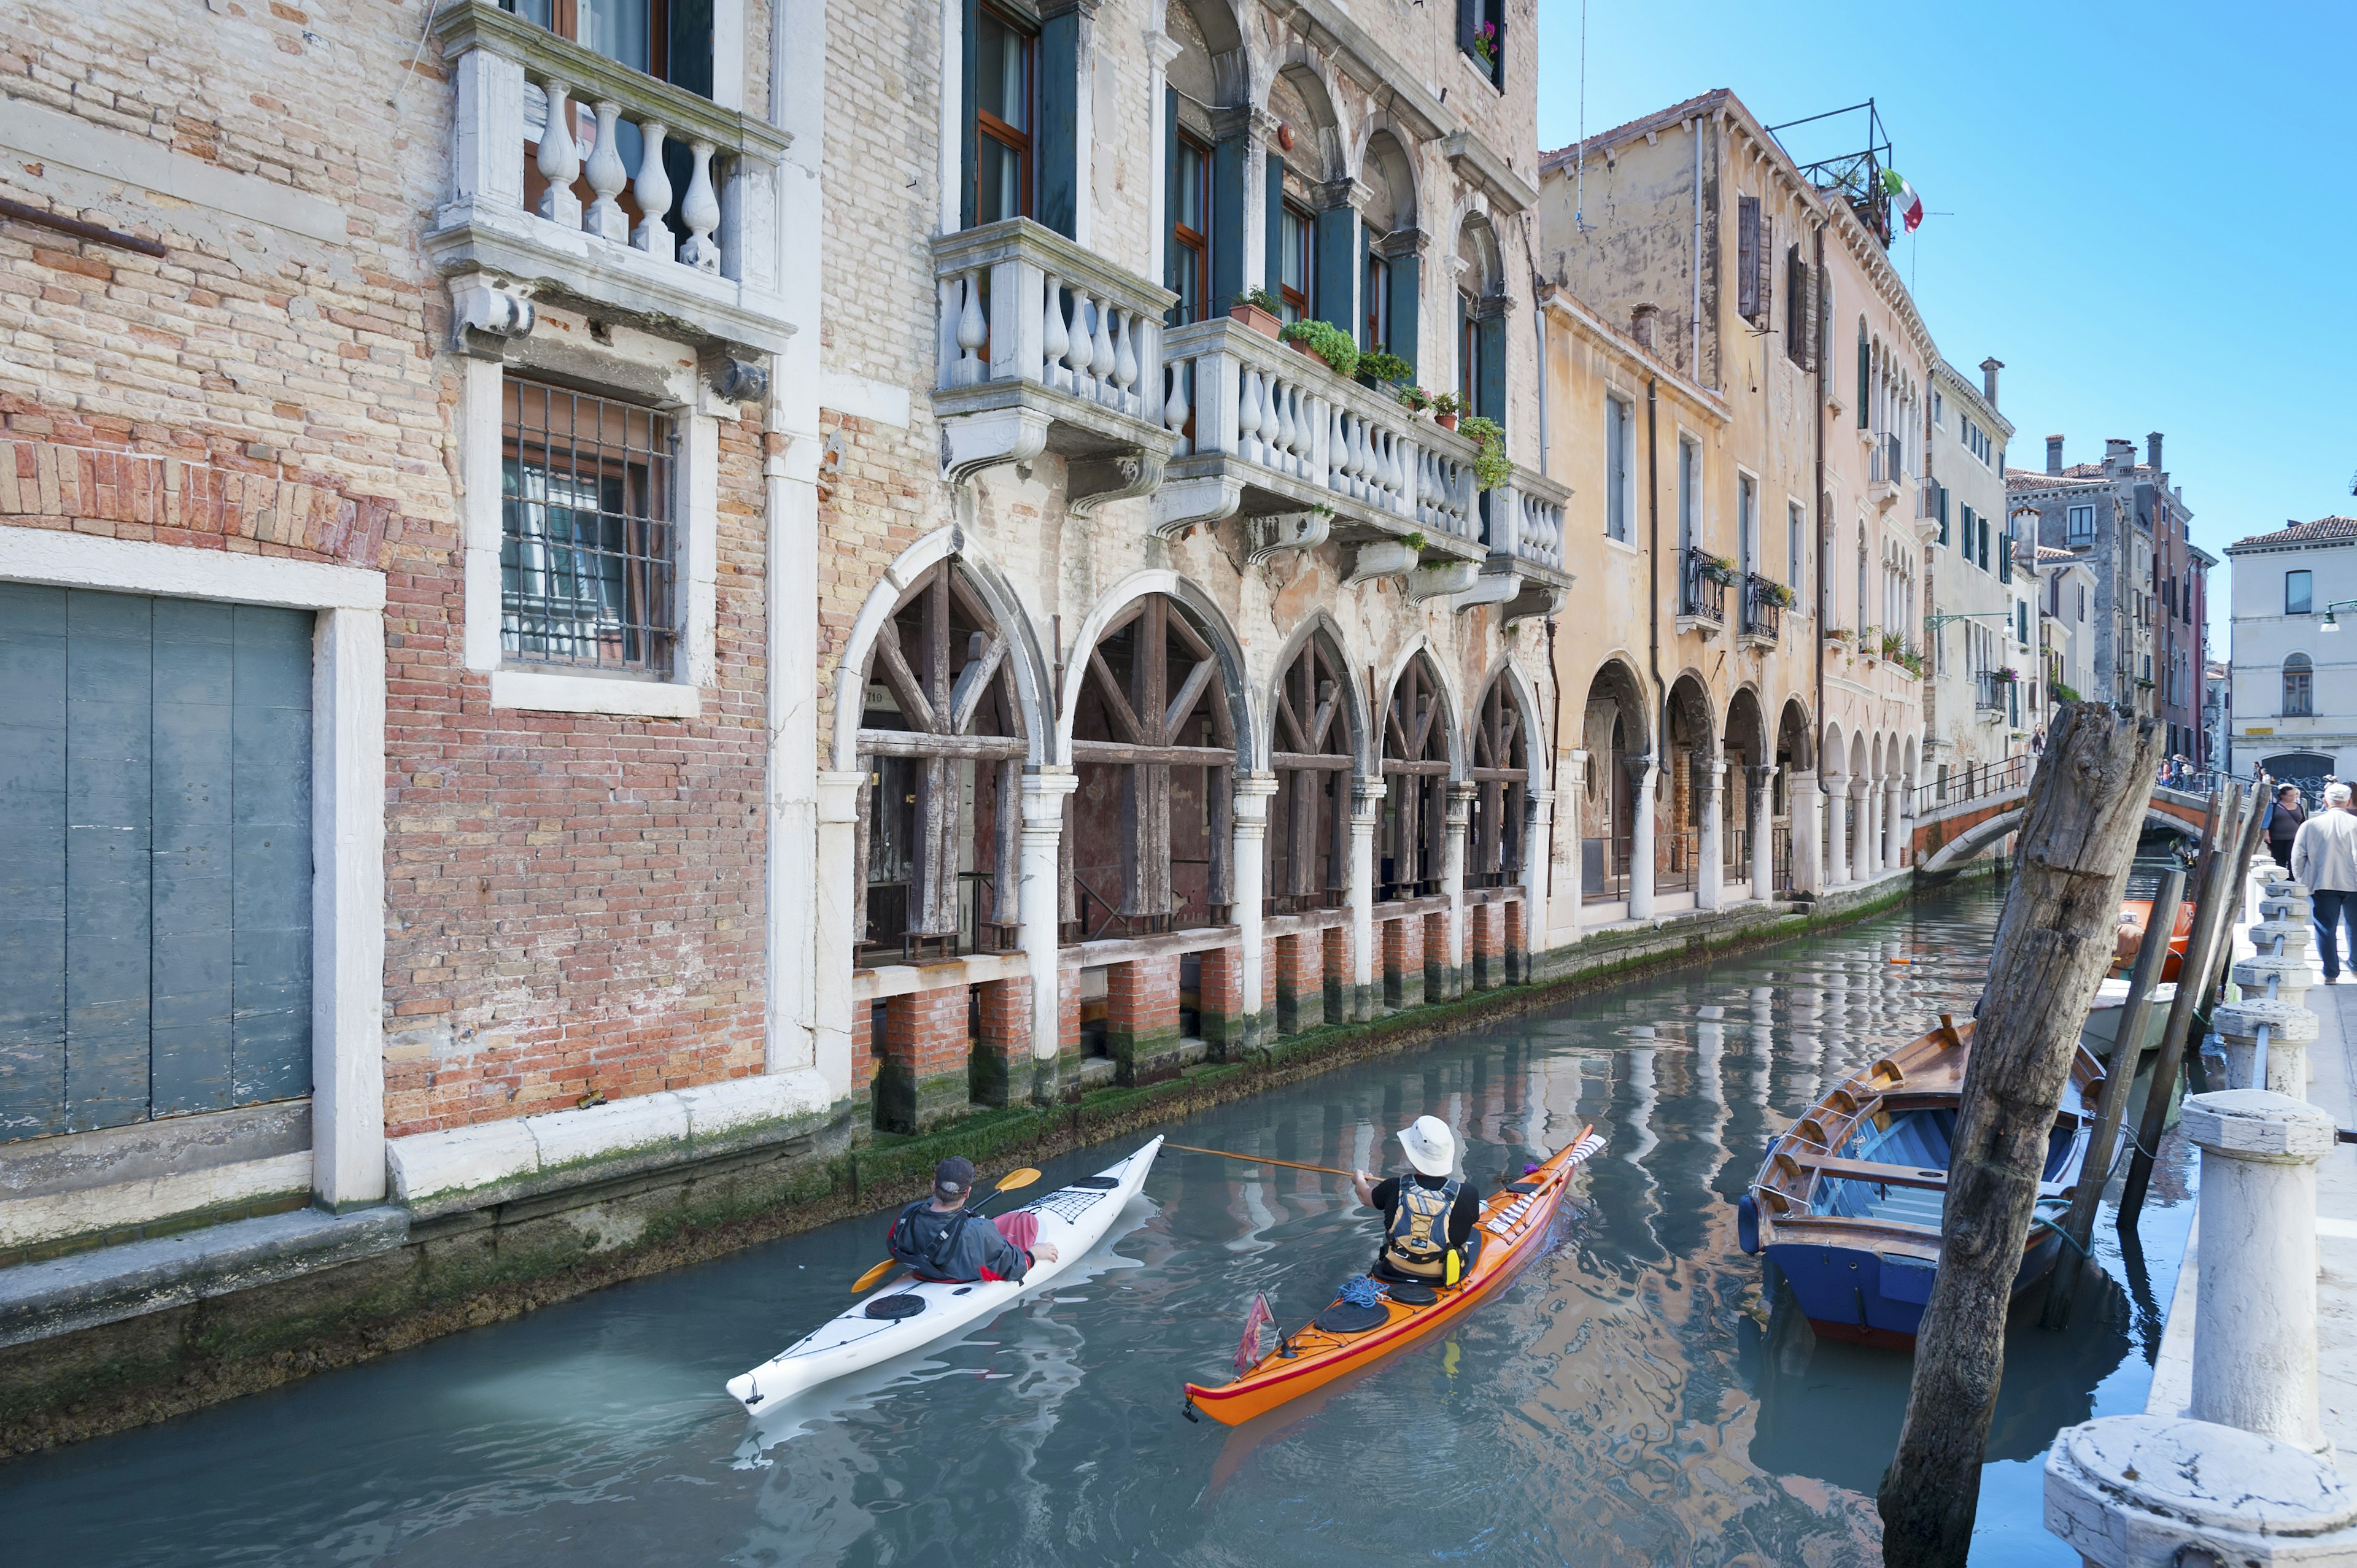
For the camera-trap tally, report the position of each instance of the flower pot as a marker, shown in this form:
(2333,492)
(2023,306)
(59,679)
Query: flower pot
(1253,317)
(1448,421)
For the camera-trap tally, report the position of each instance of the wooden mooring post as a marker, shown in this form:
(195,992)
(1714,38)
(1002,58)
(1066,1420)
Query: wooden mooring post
(2219,894)
(2119,1080)
(2056,938)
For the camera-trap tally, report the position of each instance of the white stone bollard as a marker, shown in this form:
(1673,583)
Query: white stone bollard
(2298,937)
(2254,1307)
(2145,1491)
(2290,1027)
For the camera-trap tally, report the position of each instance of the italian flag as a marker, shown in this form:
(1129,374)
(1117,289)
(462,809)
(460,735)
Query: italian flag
(1903,200)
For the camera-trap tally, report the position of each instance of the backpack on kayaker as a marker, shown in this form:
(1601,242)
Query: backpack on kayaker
(1417,1242)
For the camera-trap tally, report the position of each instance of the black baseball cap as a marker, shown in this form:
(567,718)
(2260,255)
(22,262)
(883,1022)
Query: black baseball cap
(953,1177)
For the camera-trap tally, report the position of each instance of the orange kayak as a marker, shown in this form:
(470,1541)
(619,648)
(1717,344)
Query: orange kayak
(1514,1227)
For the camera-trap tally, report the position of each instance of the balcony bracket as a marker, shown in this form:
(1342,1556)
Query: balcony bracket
(484,318)
(1124,477)
(1382,558)
(1014,433)
(1709,626)
(1188,503)
(1441,579)
(1267,537)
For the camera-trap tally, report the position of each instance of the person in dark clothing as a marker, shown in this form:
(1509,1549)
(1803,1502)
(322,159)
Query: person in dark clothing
(938,1238)
(1428,1216)
(2283,823)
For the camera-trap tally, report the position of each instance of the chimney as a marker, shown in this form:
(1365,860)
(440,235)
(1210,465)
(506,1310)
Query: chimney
(2118,454)
(1641,326)
(1989,368)
(2152,450)
(2054,454)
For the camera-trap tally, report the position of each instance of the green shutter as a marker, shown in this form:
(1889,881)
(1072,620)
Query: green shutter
(1336,265)
(1489,396)
(970,92)
(1228,221)
(1057,167)
(1273,227)
(1865,375)
(1406,290)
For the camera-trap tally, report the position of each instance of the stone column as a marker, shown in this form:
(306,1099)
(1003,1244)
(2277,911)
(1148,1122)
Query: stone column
(1808,805)
(1038,906)
(2291,1028)
(1894,824)
(2255,1313)
(1837,829)
(2146,1491)
(1538,841)
(1452,885)
(1642,772)
(1710,876)
(1571,890)
(1763,832)
(1366,816)
(1253,793)
(1861,823)
(832,939)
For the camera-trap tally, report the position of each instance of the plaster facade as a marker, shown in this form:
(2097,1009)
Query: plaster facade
(2292,690)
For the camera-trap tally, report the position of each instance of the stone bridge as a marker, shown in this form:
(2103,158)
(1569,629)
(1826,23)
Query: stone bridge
(1949,833)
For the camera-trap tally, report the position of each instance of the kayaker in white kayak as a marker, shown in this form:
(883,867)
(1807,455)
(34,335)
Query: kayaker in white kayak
(939,1239)
(1428,1218)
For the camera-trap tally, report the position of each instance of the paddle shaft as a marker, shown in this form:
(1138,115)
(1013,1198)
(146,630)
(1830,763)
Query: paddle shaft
(1260,1160)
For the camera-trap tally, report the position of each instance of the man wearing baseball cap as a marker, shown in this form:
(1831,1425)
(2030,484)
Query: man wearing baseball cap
(937,1238)
(1427,1218)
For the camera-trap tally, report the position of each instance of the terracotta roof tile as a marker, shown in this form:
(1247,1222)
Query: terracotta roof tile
(2323,528)
(1671,115)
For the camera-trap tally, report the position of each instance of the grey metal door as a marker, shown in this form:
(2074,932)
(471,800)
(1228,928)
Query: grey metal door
(155,857)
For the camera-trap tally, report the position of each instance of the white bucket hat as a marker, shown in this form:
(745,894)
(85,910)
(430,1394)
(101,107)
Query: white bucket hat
(1431,1146)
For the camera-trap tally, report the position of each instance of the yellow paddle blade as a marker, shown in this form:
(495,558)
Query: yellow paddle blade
(1022,1176)
(872,1276)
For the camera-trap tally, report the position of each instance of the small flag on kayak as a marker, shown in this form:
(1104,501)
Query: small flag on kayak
(1903,200)
(1257,1324)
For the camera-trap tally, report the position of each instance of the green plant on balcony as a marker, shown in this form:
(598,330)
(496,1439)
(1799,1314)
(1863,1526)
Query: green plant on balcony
(1837,634)
(1893,644)
(1491,466)
(1415,400)
(1907,658)
(1328,341)
(1722,569)
(1417,542)
(1778,594)
(1259,297)
(1380,367)
(2063,694)
(2005,676)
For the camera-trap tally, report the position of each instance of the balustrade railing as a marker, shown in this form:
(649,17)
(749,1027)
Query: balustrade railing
(1021,302)
(1705,591)
(1235,393)
(1763,606)
(1989,689)
(1532,526)
(1888,464)
(592,150)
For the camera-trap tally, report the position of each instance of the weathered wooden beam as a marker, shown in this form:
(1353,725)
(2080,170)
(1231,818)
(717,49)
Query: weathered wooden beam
(1169,755)
(1116,703)
(1308,762)
(2119,1076)
(918,743)
(2055,940)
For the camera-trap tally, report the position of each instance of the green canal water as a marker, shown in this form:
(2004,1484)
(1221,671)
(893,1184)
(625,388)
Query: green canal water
(1642,1395)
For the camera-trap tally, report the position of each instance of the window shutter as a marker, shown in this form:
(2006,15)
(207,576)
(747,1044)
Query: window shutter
(1272,227)
(2005,556)
(1767,264)
(1811,301)
(688,55)
(1747,256)
(1468,23)
(969,89)
(1171,192)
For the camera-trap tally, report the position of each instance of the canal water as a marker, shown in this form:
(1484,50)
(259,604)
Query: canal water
(1642,1395)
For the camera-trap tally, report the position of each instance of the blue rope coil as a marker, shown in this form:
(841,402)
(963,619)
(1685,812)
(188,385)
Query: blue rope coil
(1361,1291)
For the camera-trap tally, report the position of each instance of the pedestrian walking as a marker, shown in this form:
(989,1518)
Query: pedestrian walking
(2285,814)
(2324,861)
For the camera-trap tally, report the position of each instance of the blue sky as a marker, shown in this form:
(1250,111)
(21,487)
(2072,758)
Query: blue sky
(2149,213)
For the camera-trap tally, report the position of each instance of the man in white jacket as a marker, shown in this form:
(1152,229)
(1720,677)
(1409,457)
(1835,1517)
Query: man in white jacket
(2324,861)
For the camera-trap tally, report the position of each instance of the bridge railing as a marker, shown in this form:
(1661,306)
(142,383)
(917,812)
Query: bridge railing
(1973,782)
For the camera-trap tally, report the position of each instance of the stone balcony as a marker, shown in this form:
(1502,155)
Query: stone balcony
(677,232)
(1047,346)
(1886,470)
(1524,575)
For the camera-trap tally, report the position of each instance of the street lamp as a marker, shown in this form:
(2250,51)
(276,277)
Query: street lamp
(2330,624)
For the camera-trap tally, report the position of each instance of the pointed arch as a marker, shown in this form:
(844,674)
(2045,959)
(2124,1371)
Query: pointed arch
(1315,738)
(1617,732)
(1418,739)
(1498,753)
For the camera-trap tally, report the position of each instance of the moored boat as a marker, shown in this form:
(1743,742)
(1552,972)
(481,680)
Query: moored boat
(1848,1203)
(908,1314)
(2136,914)
(1347,1335)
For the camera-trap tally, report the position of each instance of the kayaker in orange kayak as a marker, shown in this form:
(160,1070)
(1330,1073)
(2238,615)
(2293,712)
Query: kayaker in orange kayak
(1428,1218)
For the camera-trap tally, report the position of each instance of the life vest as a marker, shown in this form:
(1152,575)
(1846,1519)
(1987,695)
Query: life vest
(1417,1242)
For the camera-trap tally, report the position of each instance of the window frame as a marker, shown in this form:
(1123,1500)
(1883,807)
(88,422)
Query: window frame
(1195,244)
(1620,419)
(2306,597)
(1299,299)
(2072,517)
(989,128)
(1795,535)
(2299,687)
(1377,287)
(565,21)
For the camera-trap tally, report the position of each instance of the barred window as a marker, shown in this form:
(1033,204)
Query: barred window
(587,544)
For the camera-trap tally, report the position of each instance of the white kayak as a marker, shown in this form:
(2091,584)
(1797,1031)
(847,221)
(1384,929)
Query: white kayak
(908,1314)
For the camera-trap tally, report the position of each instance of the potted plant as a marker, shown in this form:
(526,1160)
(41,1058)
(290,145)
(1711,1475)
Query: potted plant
(1258,309)
(1722,570)
(1776,594)
(2063,692)
(1380,367)
(1837,634)
(1491,465)
(1444,410)
(1326,342)
(2009,675)
(1414,399)
(1485,45)
(1893,645)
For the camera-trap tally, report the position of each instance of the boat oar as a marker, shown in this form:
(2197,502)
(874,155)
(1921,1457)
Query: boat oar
(1024,1177)
(1261,1160)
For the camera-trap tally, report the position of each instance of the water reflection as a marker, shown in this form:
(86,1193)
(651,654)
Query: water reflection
(1643,1393)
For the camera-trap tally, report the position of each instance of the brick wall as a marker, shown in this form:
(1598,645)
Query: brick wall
(1299,970)
(1403,941)
(1142,1019)
(1441,979)
(921,1075)
(1220,1001)
(1002,1043)
(1335,944)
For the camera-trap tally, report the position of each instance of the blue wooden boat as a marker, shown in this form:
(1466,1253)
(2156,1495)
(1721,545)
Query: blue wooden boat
(1848,1202)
